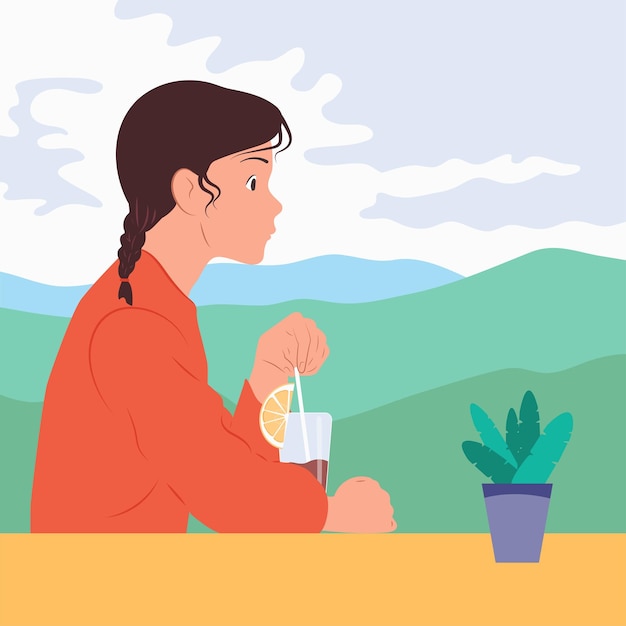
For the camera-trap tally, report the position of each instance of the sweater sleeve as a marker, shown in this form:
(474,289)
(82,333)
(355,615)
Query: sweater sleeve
(137,360)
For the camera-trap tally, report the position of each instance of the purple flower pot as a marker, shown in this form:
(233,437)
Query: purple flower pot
(517,516)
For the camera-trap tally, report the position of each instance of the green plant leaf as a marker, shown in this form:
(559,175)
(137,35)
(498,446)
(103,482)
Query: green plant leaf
(528,428)
(488,462)
(490,434)
(512,430)
(546,452)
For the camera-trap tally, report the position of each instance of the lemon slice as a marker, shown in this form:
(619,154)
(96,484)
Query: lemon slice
(273,415)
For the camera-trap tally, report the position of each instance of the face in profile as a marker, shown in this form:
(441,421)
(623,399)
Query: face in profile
(239,222)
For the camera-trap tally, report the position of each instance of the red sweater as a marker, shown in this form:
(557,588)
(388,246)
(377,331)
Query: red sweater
(133,439)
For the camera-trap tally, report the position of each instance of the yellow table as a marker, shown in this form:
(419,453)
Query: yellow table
(382,580)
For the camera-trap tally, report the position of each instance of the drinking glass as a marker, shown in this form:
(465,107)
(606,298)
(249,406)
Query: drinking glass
(315,436)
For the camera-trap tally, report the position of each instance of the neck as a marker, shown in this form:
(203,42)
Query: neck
(177,243)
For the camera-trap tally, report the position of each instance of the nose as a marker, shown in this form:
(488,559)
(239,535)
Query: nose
(275,206)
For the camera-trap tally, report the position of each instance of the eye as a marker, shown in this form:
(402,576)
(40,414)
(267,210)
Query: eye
(251,184)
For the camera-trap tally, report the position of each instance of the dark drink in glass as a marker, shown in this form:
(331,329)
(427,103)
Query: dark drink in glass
(319,469)
(307,443)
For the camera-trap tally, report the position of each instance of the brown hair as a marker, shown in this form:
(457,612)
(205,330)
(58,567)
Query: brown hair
(185,124)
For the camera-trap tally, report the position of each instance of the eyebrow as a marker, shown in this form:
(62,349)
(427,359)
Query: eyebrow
(254,159)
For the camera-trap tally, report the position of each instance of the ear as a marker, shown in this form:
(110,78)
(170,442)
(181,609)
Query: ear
(187,193)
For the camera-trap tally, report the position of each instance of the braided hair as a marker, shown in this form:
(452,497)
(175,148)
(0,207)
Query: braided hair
(184,124)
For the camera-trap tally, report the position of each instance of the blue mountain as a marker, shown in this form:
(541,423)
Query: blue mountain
(340,279)
(335,278)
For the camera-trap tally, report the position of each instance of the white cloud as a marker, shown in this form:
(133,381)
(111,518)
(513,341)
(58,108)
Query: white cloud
(413,181)
(321,216)
(74,244)
(71,245)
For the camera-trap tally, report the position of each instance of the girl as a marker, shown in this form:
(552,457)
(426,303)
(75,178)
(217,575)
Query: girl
(132,437)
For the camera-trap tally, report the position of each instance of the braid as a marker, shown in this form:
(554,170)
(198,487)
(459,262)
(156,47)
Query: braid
(139,220)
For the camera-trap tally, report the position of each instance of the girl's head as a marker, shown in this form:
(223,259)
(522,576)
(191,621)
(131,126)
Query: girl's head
(188,126)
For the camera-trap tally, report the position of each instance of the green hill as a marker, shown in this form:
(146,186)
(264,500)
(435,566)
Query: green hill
(19,433)
(543,312)
(413,448)
(30,343)
(546,311)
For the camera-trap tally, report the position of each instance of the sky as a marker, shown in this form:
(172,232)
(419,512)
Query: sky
(461,133)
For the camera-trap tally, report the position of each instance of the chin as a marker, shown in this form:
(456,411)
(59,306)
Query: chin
(251,257)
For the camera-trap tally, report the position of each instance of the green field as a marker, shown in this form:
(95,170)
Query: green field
(19,431)
(413,448)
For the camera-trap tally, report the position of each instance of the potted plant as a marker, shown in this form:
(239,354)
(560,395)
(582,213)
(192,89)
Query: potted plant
(517,501)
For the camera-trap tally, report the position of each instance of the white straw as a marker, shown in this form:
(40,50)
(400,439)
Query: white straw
(305,436)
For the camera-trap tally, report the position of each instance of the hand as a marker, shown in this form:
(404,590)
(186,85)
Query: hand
(360,505)
(294,342)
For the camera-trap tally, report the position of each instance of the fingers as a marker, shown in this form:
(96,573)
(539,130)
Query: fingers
(317,352)
(295,341)
(310,349)
(361,505)
(305,348)
(302,332)
(381,520)
(364,479)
